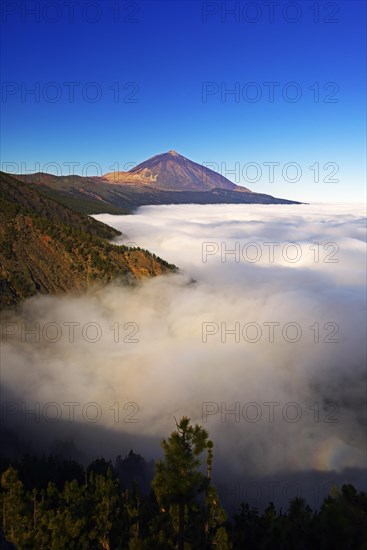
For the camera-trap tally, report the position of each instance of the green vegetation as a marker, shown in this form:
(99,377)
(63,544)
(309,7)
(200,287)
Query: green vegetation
(17,197)
(178,481)
(48,248)
(79,204)
(53,503)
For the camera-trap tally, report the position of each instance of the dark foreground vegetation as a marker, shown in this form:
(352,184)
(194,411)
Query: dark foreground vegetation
(52,503)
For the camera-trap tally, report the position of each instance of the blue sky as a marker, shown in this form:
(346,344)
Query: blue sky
(149,76)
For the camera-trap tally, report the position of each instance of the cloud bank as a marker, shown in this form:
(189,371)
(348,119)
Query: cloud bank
(260,338)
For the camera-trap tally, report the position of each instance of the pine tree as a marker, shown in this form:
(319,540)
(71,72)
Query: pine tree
(178,479)
(69,522)
(16,511)
(107,515)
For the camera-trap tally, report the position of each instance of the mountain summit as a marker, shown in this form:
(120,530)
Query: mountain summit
(168,178)
(173,172)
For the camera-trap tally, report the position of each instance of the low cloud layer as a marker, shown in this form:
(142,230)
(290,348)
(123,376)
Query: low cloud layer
(273,331)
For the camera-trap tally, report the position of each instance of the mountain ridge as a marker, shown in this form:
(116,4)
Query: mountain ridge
(47,248)
(167,178)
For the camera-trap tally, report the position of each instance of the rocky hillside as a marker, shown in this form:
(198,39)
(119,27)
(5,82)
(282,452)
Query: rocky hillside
(48,248)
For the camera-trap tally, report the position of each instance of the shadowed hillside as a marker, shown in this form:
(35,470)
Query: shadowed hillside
(48,248)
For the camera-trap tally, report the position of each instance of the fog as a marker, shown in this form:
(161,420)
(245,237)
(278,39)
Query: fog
(259,337)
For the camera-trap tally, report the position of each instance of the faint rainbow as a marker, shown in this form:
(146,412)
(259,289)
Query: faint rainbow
(333,454)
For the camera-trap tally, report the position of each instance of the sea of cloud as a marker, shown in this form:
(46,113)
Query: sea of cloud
(260,337)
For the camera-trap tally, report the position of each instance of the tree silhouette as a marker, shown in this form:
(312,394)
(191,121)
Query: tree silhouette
(178,479)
